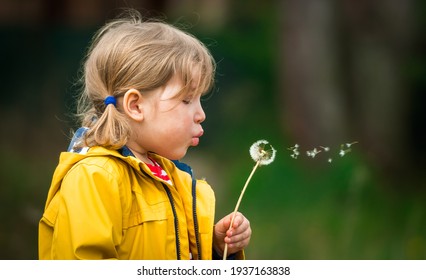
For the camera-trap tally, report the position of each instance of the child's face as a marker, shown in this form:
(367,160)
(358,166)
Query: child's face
(171,125)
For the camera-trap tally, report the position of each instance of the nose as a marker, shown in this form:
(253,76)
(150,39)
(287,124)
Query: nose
(200,116)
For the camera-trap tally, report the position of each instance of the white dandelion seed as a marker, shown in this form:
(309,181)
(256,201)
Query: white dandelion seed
(326,149)
(344,150)
(313,153)
(295,150)
(295,155)
(350,144)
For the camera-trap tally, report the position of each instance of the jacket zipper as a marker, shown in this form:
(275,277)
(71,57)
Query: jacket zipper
(194,213)
(176,221)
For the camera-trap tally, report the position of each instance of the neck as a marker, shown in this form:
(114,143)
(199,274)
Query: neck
(140,154)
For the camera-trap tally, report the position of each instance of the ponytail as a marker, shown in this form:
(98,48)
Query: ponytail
(110,129)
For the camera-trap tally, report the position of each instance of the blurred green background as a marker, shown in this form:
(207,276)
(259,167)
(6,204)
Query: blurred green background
(315,73)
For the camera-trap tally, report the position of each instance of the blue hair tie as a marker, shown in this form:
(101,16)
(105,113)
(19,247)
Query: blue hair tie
(110,100)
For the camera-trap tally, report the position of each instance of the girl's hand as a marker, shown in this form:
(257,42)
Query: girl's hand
(237,237)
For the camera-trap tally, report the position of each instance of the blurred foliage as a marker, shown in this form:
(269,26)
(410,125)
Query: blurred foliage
(311,209)
(299,209)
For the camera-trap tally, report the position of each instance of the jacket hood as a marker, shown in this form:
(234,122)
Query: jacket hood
(68,160)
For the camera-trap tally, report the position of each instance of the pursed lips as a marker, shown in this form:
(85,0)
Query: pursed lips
(196,139)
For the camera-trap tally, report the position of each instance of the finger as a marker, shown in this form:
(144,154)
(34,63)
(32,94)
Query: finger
(243,235)
(239,218)
(242,227)
(237,221)
(239,244)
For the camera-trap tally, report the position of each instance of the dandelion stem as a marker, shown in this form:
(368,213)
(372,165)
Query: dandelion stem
(225,252)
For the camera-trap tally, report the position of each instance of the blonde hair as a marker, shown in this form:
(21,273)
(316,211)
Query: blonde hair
(130,53)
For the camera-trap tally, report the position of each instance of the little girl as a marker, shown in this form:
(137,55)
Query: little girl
(119,192)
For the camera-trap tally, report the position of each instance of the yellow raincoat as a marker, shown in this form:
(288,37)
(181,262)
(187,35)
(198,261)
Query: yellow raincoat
(103,205)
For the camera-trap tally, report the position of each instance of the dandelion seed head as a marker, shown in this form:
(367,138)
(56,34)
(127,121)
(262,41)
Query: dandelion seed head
(259,154)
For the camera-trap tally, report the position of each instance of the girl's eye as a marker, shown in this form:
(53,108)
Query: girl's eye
(187,100)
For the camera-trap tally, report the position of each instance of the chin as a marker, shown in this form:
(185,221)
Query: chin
(176,156)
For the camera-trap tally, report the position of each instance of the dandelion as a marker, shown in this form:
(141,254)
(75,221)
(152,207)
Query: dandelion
(261,156)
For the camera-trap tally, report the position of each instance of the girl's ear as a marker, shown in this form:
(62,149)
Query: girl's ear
(132,104)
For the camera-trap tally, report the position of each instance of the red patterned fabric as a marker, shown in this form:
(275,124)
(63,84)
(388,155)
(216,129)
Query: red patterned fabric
(158,171)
